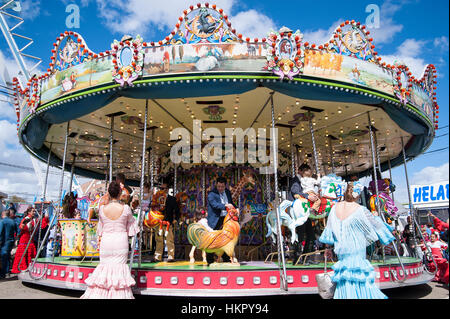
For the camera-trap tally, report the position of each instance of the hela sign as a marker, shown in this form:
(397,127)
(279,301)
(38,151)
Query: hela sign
(430,194)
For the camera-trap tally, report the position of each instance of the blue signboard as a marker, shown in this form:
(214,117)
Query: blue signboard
(430,194)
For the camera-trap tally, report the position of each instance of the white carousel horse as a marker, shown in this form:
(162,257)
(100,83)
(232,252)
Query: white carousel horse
(296,215)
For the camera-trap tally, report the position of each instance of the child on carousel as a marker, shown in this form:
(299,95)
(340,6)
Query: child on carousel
(309,183)
(200,217)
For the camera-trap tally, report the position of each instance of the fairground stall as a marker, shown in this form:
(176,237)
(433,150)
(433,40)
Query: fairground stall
(336,105)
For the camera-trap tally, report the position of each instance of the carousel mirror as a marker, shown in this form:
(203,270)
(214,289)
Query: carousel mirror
(126,56)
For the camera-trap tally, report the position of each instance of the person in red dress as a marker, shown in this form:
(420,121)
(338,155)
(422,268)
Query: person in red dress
(436,247)
(26,227)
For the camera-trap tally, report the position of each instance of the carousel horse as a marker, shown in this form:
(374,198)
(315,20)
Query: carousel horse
(292,215)
(329,189)
(217,241)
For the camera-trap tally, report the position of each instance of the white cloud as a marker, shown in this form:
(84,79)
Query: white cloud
(384,33)
(30,9)
(411,47)
(139,16)
(408,53)
(7,111)
(388,28)
(320,36)
(252,24)
(431,175)
(441,43)
(135,16)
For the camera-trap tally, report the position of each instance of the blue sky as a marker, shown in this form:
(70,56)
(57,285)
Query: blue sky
(414,31)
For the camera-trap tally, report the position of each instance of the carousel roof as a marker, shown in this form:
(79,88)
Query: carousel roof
(205,70)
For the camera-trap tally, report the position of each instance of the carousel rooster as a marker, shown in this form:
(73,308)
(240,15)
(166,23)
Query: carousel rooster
(218,241)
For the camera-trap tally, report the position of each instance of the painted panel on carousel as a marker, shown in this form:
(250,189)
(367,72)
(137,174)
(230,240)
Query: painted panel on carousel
(69,70)
(348,69)
(422,100)
(79,239)
(65,82)
(204,58)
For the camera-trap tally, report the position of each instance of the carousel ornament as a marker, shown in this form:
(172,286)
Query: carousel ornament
(287,57)
(33,95)
(70,50)
(203,24)
(128,60)
(215,112)
(352,39)
(402,83)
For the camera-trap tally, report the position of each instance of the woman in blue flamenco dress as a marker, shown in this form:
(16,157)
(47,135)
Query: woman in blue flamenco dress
(351,228)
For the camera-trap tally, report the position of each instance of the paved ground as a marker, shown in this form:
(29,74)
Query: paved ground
(12,288)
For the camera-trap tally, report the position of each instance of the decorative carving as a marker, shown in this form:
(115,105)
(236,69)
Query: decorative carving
(69,50)
(351,39)
(203,24)
(288,57)
(128,60)
(402,83)
(214,112)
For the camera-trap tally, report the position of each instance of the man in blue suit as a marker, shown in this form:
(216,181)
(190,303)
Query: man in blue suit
(8,231)
(218,201)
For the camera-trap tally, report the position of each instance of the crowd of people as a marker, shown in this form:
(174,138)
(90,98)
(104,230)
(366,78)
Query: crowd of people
(15,235)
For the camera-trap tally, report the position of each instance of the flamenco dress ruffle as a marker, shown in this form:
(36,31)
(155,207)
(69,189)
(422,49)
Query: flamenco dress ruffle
(353,274)
(110,282)
(355,279)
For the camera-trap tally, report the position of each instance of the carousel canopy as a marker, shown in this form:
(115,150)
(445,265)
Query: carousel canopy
(205,70)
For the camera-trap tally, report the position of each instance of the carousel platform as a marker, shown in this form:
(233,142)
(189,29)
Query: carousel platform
(181,278)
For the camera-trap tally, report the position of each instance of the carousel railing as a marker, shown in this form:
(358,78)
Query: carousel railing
(428,249)
(374,151)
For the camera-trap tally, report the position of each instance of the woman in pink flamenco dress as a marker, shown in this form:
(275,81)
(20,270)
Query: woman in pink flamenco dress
(112,278)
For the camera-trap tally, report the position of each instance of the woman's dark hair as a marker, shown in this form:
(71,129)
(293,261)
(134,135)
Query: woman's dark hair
(199,213)
(147,185)
(114,189)
(304,167)
(120,177)
(221,179)
(348,195)
(379,177)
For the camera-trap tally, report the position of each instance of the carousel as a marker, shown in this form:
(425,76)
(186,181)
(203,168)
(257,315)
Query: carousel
(162,111)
